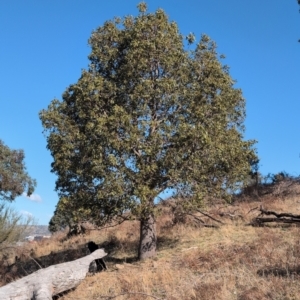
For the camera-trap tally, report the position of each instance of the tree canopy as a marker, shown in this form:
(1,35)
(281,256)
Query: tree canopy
(14,179)
(149,115)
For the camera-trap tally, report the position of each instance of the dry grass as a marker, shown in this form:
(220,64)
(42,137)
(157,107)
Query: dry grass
(232,262)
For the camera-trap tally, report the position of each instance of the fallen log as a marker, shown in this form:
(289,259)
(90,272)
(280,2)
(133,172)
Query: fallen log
(48,282)
(284,218)
(278,215)
(276,220)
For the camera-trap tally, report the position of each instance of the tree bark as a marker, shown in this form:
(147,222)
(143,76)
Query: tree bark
(147,247)
(45,283)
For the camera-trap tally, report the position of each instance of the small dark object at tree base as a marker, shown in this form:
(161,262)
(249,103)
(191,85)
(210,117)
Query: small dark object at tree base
(101,265)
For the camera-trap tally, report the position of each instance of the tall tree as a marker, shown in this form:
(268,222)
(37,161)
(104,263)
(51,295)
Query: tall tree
(146,117)
(14,179)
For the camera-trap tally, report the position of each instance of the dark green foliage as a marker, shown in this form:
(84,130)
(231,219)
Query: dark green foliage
(59,221)
(147,116)
(68,214)
(279,177)
(14,179)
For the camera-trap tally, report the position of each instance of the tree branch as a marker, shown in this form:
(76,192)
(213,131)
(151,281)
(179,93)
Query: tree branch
(277,215)
(207,215)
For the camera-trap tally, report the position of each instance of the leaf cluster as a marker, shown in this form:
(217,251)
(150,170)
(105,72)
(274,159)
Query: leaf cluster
(14,179)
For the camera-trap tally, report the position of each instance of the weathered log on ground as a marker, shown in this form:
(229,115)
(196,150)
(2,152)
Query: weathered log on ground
(278,215)
(280,218)
(276,220)
(45,283)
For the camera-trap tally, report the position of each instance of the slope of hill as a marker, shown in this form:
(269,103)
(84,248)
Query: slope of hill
(231,261)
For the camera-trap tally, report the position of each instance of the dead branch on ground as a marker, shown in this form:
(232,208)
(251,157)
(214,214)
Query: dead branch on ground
(279,218)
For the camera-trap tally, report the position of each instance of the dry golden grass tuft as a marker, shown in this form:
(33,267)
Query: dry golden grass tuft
(231,262)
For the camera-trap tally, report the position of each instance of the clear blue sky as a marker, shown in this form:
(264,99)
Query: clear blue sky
(43,48)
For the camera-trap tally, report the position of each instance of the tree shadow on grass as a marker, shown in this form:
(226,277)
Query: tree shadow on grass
(58,296)
(29,263)
(116,260)
(164,242)
(114,245)
(279,271)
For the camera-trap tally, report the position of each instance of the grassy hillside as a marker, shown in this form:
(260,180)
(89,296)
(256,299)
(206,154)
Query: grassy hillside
(233,261)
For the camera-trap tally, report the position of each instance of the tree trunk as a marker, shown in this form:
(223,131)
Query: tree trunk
(147,247)
(45,283)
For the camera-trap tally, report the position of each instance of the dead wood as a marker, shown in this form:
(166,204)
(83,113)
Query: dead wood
(202,223)
(276,220)
(48,282)
(252,209)
(207,215)
(278,215)
(280,218)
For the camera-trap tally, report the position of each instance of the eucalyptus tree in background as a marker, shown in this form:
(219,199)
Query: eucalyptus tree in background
(147,116)
(14,179)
